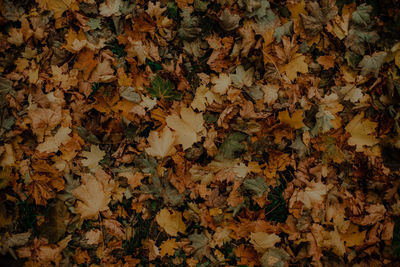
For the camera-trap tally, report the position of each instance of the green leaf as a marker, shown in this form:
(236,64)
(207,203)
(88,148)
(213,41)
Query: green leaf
(163,89)
(232,146)
(257,185)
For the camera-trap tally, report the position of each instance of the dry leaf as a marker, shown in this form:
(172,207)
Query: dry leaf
(295,122)
(187,126)
(161,143)
(263,241)
(93,194)
(93,157)
(171,222)
(361,131)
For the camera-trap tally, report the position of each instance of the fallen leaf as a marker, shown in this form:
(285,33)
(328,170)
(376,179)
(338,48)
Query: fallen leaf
(361,131)
(295,122)
(161,143)
(93,194)
(263,241)
(93,157)
(171,222)
(168,247)
(187,126)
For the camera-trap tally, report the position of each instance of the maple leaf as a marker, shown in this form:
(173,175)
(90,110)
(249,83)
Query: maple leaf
(242,77)
(274,257)
(58,6)
(314,193)
(168,247)
(228,21)
(52,143)
(93,194)
(161,143)
(187,126)
(163,89)
(352,93)
(204,96)
(257,186)
(93,157)
(295,122)
(285,29)
(297,64)
(353,237)
(320,14)
(361,131)
(232,146)
(171,222)
(110,7)
(221,83)
(263,241)
(372,63)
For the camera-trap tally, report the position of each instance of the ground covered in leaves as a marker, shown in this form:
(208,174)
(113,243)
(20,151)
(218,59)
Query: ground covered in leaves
(200,133)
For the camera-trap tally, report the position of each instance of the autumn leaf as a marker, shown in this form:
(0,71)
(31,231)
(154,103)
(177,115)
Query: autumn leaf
(171,222)
(297,64)
(58,6)
(163,89)
(263,241)
(295,121)
(168,247)
(52,143)
(187,126)
(314,193)
(93,157)
(161,143)
(93,194)
(221,83)
(361,131)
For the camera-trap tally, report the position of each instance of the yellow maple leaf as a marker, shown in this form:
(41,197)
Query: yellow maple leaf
(296,64)
(93,157)
(361,131)
(168,247)
(93,194)
(171,222)
(187,126)
(296,121)
(161,143)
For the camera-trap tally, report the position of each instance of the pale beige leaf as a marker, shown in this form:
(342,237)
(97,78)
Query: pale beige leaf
(187,126)
(52,143)
(110,7)
(93,194)
(221,83)
(161,143)
(93,157)
(263,241)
